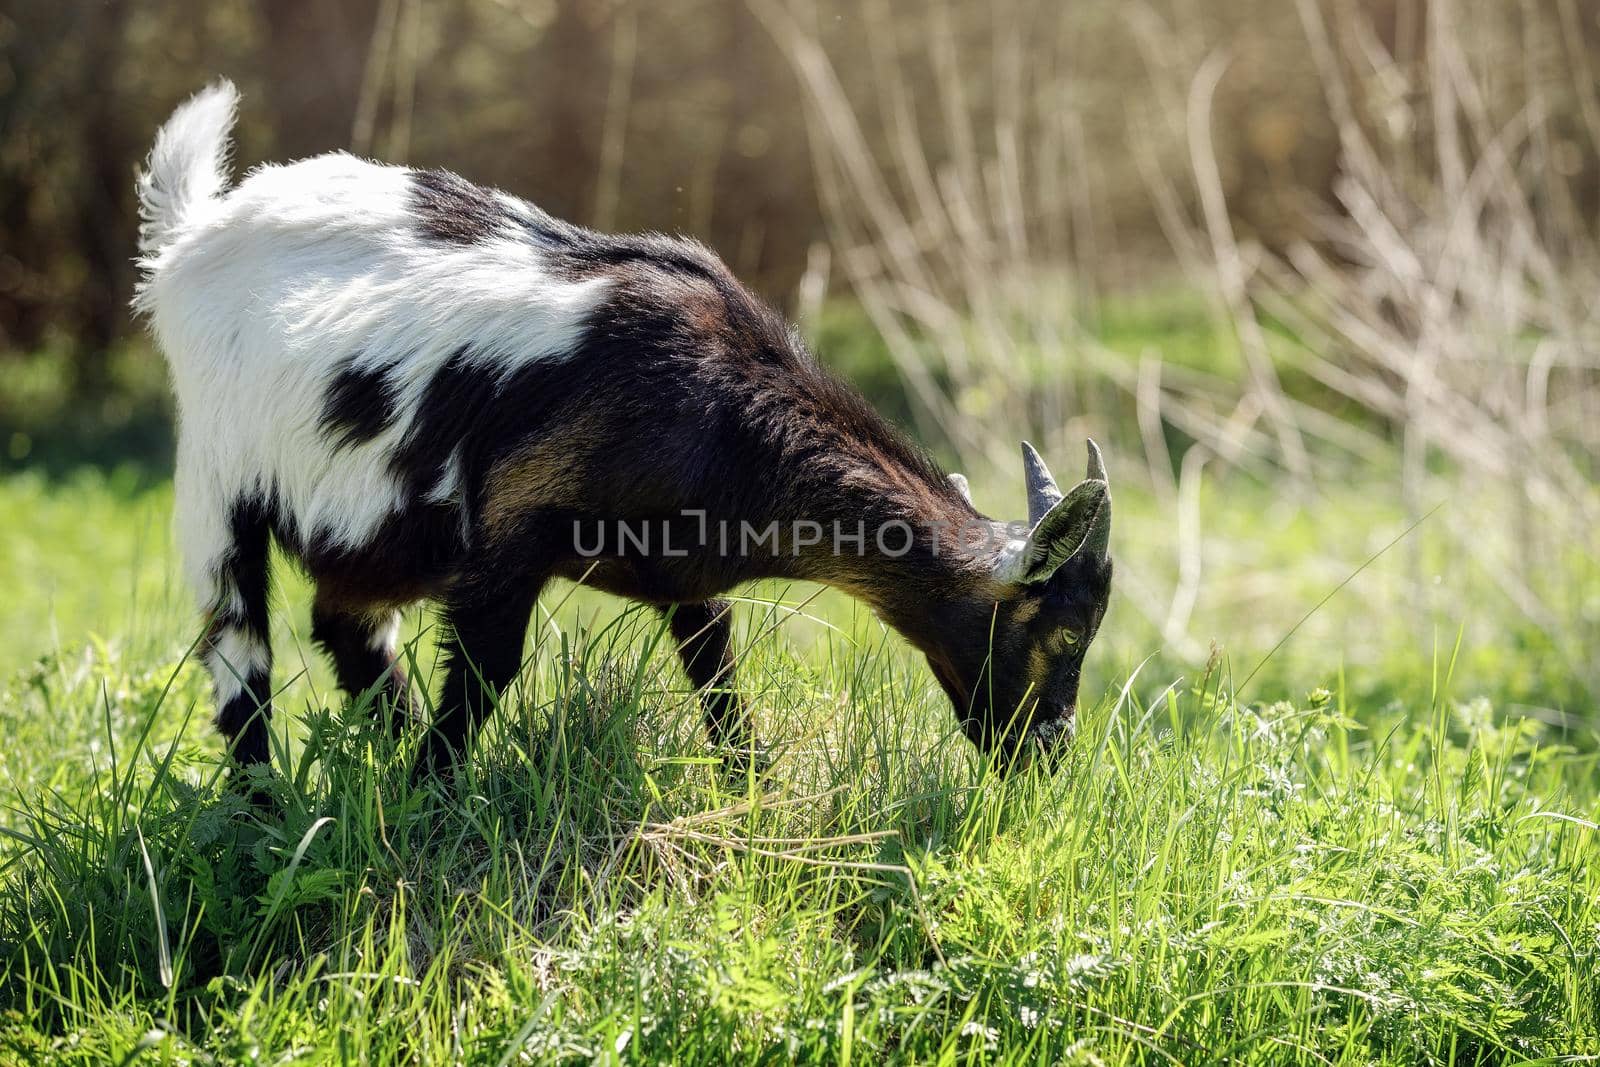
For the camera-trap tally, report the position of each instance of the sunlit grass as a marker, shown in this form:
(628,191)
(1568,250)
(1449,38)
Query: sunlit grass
(1200,880)
(1325,877)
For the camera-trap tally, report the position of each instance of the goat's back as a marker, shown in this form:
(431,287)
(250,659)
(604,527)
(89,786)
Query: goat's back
(337,269)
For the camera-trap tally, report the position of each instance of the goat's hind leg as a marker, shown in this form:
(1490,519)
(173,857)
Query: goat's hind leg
(704,632)
(486,621)
(365,649)
(227,549)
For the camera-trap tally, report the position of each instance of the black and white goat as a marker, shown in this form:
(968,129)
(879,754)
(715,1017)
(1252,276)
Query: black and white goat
(421,388)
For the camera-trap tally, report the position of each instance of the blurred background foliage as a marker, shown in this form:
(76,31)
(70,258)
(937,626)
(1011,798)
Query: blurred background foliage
(1311,267)
(688,117)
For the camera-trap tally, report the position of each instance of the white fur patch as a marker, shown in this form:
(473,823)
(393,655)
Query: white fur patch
(262,298)
(386,636)
(1008,566)
(232,658)
(1055,731)
(448,490)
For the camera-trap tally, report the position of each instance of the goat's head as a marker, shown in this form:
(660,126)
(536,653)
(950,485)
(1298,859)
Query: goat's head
(1010,655)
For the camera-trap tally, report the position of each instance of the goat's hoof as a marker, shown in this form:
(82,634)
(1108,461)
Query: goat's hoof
(435,763)
(746,760)
(253,783)
(400,714)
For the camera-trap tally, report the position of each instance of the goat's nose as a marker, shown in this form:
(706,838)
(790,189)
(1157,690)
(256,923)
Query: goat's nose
(1059,728)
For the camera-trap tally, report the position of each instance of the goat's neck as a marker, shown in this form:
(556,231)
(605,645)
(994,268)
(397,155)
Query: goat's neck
(922,548)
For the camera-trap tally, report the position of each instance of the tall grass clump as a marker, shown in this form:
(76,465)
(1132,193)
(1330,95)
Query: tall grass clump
(1204,881)
(1455,297)
(1430,337)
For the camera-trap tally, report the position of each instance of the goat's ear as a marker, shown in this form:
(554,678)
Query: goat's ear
(960,482)
(1073,525)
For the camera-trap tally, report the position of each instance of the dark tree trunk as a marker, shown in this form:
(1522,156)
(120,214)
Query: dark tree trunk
(316,57)
(29,243)
(575,57)
(106,218)
(762,202)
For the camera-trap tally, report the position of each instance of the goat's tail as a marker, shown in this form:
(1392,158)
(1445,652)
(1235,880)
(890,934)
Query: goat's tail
(188,166)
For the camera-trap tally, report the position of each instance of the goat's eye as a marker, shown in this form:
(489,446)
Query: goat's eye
(1069,637)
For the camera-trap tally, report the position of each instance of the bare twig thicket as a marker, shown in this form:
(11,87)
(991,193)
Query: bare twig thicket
(1445,305)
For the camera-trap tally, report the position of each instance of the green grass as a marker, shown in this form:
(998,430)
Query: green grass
(1360,861)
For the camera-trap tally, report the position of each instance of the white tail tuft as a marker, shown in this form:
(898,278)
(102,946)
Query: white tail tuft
(188,165)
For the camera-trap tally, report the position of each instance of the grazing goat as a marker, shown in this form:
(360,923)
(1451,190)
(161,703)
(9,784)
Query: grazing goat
(424,389)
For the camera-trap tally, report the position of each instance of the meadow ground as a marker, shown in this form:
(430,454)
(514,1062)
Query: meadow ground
(1380,849)
(1333,797)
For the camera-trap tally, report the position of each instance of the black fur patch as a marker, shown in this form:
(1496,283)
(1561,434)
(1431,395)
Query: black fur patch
(457,405)
(410,556)
(358,406)
(449,208)
(243,720)
(358,663)
(246,563)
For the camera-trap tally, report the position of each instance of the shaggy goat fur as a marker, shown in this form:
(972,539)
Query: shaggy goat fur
(422,388)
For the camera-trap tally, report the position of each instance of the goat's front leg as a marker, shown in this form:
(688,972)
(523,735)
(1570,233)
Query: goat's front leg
(704,632)
(486,619)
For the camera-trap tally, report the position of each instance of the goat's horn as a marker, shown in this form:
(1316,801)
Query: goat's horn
(1042,491)
(1097,466)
